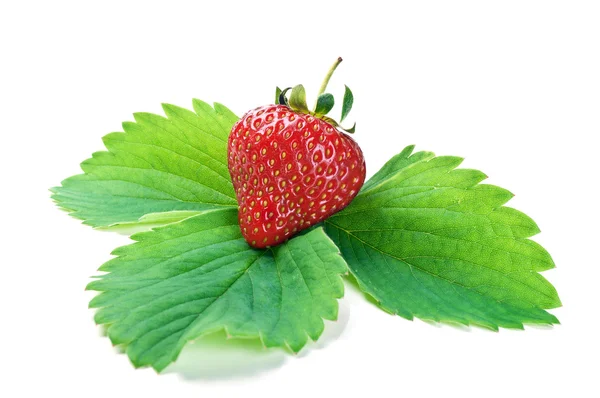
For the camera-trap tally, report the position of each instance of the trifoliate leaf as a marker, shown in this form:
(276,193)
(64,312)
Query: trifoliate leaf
(197,276)
(427,240)
(177,163)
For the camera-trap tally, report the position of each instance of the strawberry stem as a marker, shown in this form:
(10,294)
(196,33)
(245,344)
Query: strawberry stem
(328,76)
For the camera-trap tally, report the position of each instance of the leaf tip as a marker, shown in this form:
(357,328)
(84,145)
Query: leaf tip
(347,102)
(169,109)
(90,287)
(196,101)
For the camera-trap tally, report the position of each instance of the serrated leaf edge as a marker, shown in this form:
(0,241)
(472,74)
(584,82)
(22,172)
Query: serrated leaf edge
(408,151)
(138,237)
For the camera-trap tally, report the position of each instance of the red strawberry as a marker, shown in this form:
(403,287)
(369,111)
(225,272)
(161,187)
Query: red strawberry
(291,168)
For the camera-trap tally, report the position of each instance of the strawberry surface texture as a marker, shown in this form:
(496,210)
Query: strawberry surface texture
(290,170)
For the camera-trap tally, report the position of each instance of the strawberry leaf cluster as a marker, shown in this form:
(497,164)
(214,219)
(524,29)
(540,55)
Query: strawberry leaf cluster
(423,237)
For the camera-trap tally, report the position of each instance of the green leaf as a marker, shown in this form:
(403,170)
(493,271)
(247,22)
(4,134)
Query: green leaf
(325,103)
(283,100)
(177,163)
(427,240)
(351,130)
(197,276)
(298,99)
(277,94)
(347,104)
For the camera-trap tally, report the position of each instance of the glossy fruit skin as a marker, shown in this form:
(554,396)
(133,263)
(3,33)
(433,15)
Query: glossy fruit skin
(290,171)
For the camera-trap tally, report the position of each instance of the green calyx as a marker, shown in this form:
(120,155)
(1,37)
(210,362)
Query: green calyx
(324,103)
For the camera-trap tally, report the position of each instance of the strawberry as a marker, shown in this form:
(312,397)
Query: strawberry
(292,168)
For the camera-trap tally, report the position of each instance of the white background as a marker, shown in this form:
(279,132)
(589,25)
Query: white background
(513,86)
